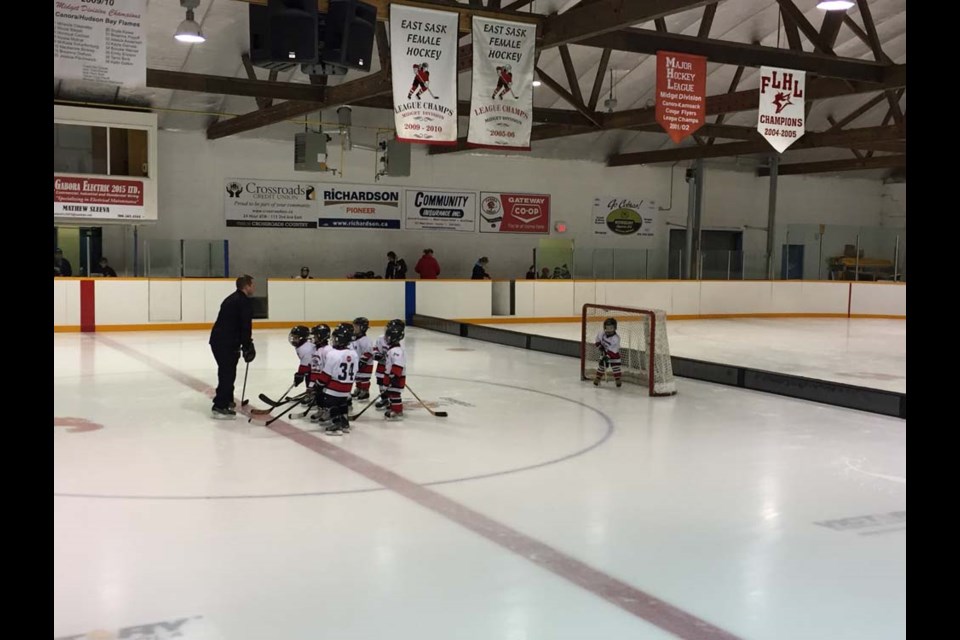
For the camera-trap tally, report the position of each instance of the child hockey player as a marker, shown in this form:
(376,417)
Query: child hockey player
(380,349)
(364,348)
(609,344)
(336,378)
(320,338)
(395,375)
(299,337)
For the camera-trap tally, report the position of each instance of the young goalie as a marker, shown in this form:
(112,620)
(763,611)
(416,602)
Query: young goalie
(608,341)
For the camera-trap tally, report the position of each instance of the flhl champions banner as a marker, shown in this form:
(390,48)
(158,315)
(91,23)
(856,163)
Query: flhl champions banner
(501,108)
(423,57)
(633,222)
(781,112)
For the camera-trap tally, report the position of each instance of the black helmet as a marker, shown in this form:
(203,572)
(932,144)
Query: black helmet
(342,336)
(610,324)
(320,334)
(394,333)
(396,322)
(360,326)
(298,335)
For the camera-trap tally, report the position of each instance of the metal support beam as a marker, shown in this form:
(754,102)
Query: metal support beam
(706,22)
(694,221)
(740,53)
(598,81)
(830,166)
(846,139)
(608,15)
(791,12)
(772,213)
(563,93)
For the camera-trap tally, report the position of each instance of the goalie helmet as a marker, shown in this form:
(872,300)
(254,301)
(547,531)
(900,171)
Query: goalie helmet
(394,333)
(342,336)
(360,326)
(298,335)
(320,334)
(610,325)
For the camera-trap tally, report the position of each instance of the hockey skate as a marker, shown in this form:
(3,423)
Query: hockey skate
(333,430)
(223,413)
(392,416)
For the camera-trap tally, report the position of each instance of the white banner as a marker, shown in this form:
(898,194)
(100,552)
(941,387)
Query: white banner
(627,222)
(359,206)
(423,58)
(270,203)
(501,109)
(100,41)
(431,210)
(99,198)
(781,113)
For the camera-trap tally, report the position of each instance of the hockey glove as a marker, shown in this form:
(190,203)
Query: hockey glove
(249,353)
(297,379)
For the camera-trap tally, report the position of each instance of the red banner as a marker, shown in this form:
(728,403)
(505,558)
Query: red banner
(514,213)
(681,93)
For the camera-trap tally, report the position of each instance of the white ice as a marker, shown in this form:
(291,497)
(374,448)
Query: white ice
(708,501)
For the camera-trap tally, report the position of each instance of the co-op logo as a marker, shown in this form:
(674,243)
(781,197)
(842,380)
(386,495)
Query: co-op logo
(526,209)
(272,192)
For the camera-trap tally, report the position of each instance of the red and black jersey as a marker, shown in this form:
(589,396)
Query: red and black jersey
(421,74)
(506,77)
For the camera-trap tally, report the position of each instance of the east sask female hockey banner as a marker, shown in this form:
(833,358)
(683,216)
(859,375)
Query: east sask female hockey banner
(501,109)
(423,58)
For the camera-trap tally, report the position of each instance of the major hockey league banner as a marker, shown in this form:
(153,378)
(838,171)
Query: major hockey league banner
(501,108)
(781,111)
(423,57)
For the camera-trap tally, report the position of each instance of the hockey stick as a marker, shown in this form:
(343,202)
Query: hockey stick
(274,405)
(283,397)
(438,414)
(275,418)
(355,416)
(431,93)
(243,396)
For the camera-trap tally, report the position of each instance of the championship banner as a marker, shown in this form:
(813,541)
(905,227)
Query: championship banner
(501,108)
(359,206)
(627,222)
(681,93)
(270,203)
(514,213)
(431,210)
(100,41)
(781,111)
(99,198)
(423,59)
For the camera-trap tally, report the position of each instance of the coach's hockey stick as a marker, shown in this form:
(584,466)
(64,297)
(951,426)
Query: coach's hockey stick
(438,414)
(243,396)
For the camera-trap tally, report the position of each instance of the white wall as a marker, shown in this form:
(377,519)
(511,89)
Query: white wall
(193,172)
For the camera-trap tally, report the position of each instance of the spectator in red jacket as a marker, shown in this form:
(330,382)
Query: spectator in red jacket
(427,266)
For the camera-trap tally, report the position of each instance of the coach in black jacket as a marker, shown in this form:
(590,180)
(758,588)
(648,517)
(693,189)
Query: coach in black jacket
(231,335)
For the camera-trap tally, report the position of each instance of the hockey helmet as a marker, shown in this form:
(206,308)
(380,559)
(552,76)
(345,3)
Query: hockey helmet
(298,335)
(320,334)
(360,326)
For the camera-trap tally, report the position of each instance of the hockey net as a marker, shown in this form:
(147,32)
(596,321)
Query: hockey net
(643,346)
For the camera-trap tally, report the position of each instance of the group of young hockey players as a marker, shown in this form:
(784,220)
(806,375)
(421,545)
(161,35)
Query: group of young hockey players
(338,365)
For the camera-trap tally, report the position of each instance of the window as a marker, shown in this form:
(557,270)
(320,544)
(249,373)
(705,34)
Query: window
(79,149)
(111,151)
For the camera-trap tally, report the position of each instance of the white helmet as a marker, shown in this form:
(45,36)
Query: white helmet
(506,67)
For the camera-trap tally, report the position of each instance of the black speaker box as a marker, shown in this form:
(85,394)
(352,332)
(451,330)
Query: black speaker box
(349,34)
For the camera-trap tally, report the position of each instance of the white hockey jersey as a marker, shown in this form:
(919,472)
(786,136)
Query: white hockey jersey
(364,347)
(395,366)
(339,371)
(609,344)
(317,361)
(380,348)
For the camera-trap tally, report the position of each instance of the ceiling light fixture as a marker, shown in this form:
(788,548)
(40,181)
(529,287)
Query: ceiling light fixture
(189,30)
(834,5)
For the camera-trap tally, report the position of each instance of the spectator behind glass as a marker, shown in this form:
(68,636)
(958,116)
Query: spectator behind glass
(545,273)
(105,269)
(532,272)
(61,266)
(480,269)
(305,274)
(396,269)
(427,266)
